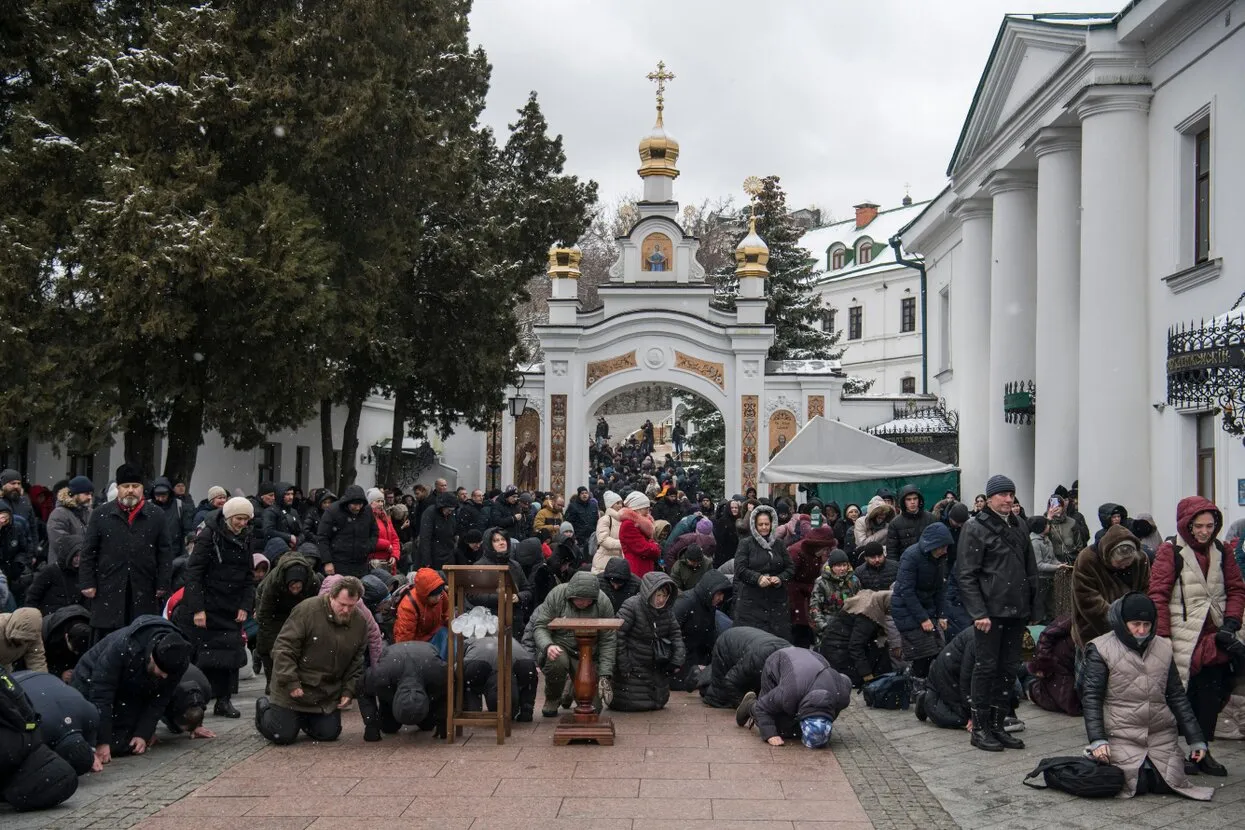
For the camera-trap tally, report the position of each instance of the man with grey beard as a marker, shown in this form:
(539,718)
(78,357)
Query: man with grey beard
(127,558)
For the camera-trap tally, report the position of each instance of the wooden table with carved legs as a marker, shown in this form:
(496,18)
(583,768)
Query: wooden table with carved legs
(584,724)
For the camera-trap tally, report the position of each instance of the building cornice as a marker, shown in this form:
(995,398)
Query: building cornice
(966,209)
(1050,140)
(1099,99)
(1008,181)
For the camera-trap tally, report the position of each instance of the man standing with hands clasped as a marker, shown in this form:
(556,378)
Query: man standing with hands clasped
(997,578)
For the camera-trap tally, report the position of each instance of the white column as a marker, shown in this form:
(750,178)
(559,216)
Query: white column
(1058,151)
(1013,290)
(1113,453)
(970,340)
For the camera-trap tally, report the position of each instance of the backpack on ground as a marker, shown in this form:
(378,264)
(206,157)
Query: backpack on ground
(1079,776)
(889,691)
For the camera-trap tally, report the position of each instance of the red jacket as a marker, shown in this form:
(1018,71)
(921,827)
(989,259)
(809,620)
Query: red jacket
(807,555)
(1164,578)
(635,534)
(417,619)
(388,545)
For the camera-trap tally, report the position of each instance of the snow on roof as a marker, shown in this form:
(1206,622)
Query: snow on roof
(885,225)
(915,425)
(803,367)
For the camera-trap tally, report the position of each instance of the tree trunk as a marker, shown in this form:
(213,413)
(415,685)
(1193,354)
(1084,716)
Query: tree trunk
(140,444)
(327,454)
(185,432)
(350,441)
(401,403)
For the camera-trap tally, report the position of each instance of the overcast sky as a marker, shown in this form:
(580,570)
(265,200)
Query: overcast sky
(846,101)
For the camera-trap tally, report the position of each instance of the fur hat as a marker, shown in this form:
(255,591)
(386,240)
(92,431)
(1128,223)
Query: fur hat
(129,474)
(238,506)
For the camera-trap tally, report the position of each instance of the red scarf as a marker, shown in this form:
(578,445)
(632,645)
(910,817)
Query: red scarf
(134,513)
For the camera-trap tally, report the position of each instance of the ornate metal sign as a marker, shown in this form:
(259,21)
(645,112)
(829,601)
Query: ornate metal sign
(1206,368)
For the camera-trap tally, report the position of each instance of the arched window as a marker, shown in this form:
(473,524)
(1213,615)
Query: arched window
(837,257)
(864,253)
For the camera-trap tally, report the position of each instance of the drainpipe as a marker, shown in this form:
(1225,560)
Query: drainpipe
(919,266)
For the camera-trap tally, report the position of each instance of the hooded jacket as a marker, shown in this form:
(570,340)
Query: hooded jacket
(319,654)
(419,619)
(55,628)
(725,532)
(950,680)
(67,528)
(1095,584)
(905,529)
(807,558)
(795,684)
(409,681)
(765,608)
(21,638)
(281,521)
(641,683)
(274,602)
(56,585)
(347,539)
(921,587)
(1053,667)
(388,545)
(739,657)
(1134,701)
(538,636)
(874,524)
(697,618)
(995,569)
(608,544)
(850,639)
(437,540)
(488,556)
(1196,589)
(618,570)
(67,721)
(113,676)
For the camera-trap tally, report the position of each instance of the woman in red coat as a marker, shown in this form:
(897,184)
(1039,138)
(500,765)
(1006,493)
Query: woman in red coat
(808,555)
(388,545)
(635,534)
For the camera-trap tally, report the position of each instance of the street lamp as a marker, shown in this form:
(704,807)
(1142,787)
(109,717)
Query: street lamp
(518,402)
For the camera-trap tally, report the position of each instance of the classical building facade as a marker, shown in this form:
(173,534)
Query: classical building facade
(1085,265)
(872,299)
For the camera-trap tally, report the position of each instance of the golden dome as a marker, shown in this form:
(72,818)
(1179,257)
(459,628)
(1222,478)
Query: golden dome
(659,152)
(564,262)
(751,254)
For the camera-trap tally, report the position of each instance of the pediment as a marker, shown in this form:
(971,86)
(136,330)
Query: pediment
(1027,53)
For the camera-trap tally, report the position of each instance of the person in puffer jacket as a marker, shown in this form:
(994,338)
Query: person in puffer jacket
(618,583)
(800,697)
(347,534)
(424,612)
(874,525)
(905,529)
(808,555)
(608,545)
(855,641)
(650,644)
(836,584)
(696,612)
(739,656)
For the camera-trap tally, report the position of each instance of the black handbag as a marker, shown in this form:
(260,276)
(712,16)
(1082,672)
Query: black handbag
(663,648)
(1080,776)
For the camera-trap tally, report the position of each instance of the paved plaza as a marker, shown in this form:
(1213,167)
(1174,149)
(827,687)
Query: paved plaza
(687,766)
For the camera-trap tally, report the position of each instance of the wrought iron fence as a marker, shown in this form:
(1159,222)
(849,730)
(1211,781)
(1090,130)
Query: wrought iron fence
(1019,402)
(1206,368)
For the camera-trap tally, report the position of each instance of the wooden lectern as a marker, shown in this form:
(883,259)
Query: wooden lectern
(480,579)
(584,724)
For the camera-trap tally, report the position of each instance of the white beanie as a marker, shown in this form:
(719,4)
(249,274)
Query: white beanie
(636,500)
(214,492)
(611,498)
(238,506)
(375,494)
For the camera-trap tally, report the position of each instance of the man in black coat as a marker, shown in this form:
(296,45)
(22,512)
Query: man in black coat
(130,676)
(877,571)
(582,513)
(801,695)
(405,688)
(67,636)
(997,578)
(506,513)
(68,722)
(281,520)
(948,686)
(347,534)
(905,529)
(473,513)
(438,534)
(739,655)
(696,612)
(32,776)
(127,560)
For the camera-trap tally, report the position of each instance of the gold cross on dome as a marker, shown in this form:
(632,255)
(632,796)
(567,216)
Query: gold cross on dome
(660,77)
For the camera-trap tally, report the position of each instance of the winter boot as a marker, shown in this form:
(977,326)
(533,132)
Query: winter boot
(257,665)
(918,695)
(1210,766)
(224,708)
(743,714)
(525,713)
(261,706)
(550,709)
(997,715)
(983,736)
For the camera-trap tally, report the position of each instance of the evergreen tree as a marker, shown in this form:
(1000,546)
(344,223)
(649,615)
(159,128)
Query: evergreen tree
(708,444)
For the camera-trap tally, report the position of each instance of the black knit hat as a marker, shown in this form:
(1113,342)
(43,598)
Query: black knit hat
(172,654)
(839,557)
(1000,484)
(872,549)
(958,513)
(129,474)
(296,573)
(1138,607)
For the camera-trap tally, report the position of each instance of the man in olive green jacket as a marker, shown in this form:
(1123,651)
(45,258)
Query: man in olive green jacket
(317,663)
(556,651)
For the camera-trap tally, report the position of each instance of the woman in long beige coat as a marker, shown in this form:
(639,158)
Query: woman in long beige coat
(1133,702)
(608,544)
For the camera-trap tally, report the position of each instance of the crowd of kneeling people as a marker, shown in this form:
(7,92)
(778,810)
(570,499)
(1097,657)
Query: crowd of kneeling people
(779,620)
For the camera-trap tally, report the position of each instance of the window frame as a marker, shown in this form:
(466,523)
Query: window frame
(855,323)
(1203,453)
(907,315)
(838,258)
(907,386)
(864,252)
(1201,195)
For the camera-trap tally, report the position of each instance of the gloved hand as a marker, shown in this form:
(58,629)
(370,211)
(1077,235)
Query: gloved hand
(605,688)
(1229,642)
(1230,624)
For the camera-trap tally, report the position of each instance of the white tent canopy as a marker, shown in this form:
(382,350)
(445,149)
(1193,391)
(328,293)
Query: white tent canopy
(829,452)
